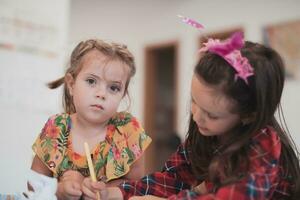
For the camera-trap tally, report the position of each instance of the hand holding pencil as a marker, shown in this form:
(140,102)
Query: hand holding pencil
(90,164)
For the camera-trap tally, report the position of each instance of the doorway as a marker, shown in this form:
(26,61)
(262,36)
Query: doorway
(161,103)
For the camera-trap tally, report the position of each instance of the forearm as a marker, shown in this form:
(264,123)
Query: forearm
(176,176)
(158,184)
(114,193)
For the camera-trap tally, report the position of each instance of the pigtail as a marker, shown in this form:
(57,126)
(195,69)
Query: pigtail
(56,83)
(67,99)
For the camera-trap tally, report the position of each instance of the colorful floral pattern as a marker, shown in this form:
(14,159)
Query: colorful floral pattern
(125,142)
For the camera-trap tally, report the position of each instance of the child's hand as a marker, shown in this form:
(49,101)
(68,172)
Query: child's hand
(201,188)
(72,175)
(69,186)
(146,197)
(90,189)
(68,190)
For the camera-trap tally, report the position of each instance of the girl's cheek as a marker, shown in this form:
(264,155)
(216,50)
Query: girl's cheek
(192,108)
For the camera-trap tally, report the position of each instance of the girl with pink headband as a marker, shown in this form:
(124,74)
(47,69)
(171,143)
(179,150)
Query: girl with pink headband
(235,148)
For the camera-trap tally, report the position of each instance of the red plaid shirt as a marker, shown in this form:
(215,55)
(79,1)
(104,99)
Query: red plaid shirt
(266,178)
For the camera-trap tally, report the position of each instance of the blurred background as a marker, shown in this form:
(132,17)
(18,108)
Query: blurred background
(37,37)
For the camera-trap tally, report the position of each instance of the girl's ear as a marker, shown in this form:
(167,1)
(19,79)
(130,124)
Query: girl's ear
(69,80)
(249,118)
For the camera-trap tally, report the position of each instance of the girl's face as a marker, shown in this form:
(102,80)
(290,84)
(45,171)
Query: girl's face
(211,109)
(98,88)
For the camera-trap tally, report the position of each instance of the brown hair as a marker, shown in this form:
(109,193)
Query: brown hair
(112,50)
(260,97)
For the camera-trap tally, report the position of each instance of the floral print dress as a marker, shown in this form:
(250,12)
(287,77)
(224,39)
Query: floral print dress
(124,143)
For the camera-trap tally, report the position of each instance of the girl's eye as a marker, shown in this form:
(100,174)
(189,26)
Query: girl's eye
(115,88)
(212,116)
(91,81)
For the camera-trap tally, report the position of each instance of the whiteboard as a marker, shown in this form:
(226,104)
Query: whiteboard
(32,43)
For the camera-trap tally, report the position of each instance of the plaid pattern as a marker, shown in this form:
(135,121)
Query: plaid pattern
(266,178)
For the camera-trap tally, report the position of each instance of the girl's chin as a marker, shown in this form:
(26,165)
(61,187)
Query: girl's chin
(206,132)
(202,129)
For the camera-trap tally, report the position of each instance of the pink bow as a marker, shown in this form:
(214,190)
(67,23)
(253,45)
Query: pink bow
(230,51)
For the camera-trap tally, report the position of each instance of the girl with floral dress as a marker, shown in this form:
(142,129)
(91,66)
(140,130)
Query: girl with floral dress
(94,85)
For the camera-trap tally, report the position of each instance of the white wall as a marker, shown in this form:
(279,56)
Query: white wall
(140,23)
(31,54)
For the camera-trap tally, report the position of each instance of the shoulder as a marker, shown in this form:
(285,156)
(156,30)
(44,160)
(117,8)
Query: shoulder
(265,145)
(51,143)
(121,119)
(127,140)
(59,118)
(126,131)
(56,124)
(123,126)
(125,122)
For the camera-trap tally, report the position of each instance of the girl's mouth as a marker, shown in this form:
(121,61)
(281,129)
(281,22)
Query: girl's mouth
(97,106)
(202,128)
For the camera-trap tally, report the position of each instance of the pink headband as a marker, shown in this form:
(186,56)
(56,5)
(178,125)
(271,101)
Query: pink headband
(228,49)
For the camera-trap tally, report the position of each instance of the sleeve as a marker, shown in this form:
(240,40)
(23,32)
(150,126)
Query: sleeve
(49,144)
(259,184)
(255,186)
(262,179)
(175,177)
(136,138)
(128,144)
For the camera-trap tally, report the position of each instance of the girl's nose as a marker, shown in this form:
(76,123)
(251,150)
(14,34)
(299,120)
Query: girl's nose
(101,93)
(101,97)
(198,116)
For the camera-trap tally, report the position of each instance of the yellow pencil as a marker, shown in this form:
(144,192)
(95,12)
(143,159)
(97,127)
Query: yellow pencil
(90,164)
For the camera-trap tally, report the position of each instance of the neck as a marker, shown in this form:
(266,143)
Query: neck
(87,129)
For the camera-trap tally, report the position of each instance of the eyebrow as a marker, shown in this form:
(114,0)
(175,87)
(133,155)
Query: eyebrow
(93,75)
(117,82)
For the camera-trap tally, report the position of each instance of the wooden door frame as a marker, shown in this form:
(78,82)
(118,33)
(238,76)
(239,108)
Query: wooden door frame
(150,93)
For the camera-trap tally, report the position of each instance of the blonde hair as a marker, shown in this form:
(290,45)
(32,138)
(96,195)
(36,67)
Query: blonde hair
(112,50)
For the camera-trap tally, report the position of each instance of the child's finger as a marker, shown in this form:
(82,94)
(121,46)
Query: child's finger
(100,188)
(74,189)
(87,183)
(88,193)
(88,189)
(200,189)
(98,185)
(146,197)
(72,175)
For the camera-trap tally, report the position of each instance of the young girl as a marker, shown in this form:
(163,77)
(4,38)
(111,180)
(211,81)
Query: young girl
(94,85)
(235,149)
